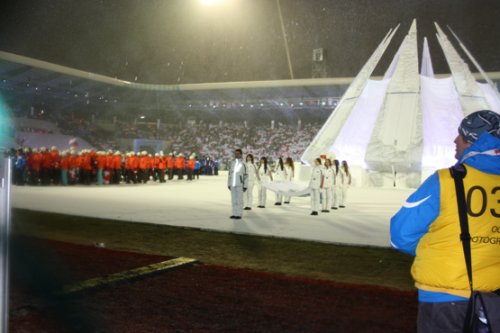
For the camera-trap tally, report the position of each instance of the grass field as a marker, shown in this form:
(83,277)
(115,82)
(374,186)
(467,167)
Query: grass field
(340,263)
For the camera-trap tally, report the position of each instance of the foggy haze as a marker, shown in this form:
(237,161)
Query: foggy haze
(184,41)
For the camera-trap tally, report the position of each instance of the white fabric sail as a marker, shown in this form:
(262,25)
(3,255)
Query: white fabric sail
(476,64)
(426,69)
(353,138)
(471,96)
(442,114)
(397,135)
(403,127)
(333,125)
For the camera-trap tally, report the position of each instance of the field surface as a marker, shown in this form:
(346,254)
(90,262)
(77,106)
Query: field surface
(239,283)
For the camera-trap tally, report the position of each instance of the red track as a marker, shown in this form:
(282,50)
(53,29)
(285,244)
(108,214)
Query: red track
(199,298)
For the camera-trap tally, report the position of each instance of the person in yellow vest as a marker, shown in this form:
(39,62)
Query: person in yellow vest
(428,227)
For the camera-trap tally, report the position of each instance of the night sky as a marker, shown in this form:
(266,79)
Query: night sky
(184,41)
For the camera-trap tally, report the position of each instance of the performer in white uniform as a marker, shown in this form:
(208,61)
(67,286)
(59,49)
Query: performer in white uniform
(336,185)
(265,176)
(290,173)
(279,177)
(315,185)
(327,190)
(345,181)
(237,183)
(253,177)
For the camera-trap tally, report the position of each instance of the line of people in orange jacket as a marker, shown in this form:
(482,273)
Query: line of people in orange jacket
(42,166)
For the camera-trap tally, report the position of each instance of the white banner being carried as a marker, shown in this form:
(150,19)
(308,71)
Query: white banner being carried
(290,189)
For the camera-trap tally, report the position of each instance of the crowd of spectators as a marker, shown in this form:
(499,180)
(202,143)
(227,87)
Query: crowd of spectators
(219,140)
(216,141)
(81,127)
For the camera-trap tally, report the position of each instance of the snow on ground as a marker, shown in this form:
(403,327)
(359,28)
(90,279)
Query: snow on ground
(205,204)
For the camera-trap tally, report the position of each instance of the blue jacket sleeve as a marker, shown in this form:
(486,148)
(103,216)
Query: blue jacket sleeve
(412,221)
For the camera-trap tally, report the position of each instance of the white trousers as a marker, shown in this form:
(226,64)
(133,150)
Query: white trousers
(262,195)
(315,200)
(327,197)
(287,198)
(279,196)
(343,194)
(336,196)
(248,195)
(237,200)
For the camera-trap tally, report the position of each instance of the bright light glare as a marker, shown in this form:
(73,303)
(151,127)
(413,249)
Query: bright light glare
(211,2)
(6,127)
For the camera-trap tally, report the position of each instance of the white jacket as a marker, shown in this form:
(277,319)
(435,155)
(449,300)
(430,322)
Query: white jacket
(265,177)
(237,175)
(344,178)
(252,172)
(316,178)
(329,177)
(336,176)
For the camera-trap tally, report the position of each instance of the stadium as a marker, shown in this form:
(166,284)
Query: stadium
(157,256)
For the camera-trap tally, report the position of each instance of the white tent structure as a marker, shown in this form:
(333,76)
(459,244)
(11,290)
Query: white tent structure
(398,130)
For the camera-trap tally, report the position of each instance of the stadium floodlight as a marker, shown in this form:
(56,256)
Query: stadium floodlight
(211,2)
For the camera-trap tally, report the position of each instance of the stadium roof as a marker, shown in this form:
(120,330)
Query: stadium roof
(27,83)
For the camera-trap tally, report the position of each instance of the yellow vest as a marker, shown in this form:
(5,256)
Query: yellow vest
(439,263)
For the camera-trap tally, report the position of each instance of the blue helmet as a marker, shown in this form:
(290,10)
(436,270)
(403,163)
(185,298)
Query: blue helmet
(478,122)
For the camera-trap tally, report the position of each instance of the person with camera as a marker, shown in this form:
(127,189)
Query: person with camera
(428,226)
